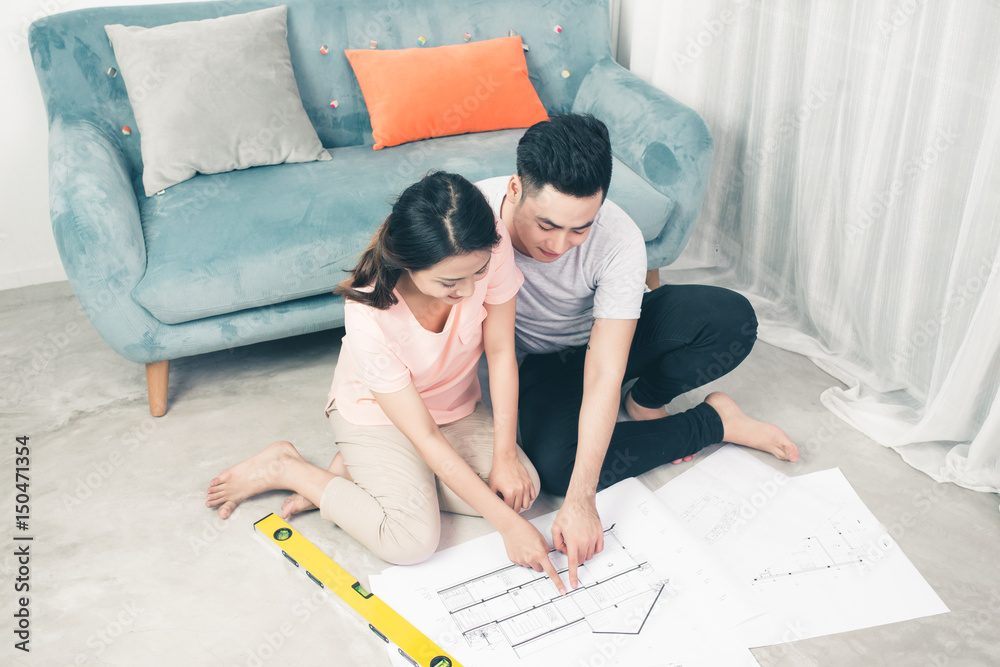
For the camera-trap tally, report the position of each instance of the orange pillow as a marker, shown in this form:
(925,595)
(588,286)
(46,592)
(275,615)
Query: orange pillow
(421,93)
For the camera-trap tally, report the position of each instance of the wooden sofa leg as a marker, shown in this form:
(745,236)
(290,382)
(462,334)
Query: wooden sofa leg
(653,279)
(157,376)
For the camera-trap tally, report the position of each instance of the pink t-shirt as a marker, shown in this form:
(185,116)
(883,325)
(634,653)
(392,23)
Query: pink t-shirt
(385,350)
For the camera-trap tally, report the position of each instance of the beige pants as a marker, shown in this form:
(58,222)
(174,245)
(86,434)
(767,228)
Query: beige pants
(393,505)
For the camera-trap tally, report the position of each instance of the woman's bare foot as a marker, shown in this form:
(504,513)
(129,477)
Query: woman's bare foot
(743,430)
(641,414)
(265,471)
(296,503)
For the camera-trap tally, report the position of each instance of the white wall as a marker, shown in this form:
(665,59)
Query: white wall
(28,254)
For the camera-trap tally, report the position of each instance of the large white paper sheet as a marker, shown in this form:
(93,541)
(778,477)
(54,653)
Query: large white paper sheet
(655,596)
(749,512)
(847,575)
(842,572)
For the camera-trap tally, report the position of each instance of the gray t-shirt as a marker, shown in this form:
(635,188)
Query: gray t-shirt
(603,277)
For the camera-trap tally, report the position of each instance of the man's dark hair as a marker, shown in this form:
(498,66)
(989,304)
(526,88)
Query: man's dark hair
(570,152)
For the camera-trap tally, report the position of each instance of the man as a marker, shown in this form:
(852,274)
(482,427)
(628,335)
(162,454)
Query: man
(586,323)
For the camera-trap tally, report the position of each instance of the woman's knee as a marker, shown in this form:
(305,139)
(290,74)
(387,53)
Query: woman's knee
(408,544)
(536,483)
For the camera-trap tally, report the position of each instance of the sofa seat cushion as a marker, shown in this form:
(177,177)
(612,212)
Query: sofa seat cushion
(222,243)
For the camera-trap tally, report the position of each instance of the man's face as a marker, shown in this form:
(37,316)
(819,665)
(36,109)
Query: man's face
(548,223)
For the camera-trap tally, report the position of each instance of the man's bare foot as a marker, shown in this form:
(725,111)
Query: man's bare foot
(259,473)
(296,503)
(641,414)
(743,430)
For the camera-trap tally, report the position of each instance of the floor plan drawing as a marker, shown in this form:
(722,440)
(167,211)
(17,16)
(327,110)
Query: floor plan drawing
(842,541)
(712,516)
(517,607)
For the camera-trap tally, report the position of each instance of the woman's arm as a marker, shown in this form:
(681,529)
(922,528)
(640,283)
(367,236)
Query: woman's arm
(524,543)
(508,476)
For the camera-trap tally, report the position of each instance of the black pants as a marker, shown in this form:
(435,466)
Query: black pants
(687,336)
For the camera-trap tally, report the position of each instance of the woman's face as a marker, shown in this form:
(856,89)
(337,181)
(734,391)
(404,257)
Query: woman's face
(454,278)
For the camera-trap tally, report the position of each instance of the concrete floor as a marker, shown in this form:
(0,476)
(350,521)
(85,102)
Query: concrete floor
(128,567)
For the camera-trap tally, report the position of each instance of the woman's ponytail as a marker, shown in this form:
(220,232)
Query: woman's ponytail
(375,269)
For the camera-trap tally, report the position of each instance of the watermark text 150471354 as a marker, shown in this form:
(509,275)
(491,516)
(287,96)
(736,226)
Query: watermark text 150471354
(22,542)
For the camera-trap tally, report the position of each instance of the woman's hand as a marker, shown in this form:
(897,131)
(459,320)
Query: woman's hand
(526,546)
(511,481)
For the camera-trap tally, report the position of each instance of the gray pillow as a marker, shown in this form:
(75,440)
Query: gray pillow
(214,95)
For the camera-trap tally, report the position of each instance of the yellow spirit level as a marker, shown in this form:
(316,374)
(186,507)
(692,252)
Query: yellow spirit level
(383,621)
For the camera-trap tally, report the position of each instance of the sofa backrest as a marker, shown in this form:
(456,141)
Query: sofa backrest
(72,54)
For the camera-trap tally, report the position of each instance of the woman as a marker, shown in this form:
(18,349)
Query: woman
(435,287)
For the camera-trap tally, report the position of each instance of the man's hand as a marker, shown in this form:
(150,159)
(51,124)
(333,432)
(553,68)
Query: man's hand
(512,481)
(526,546)
(577,532)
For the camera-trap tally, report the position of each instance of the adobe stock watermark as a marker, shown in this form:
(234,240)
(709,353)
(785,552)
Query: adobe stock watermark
(943,140)
(790,123)
(726,360)
(928,330)
(793,632)
(102,638)
(271,642)
(141,86)
(45,350)
(19,38)
(755,502)
(211,530)
(409,166)
(878,548)
(98,473)
(983,621)
(823,435)
(377,24)
(269,645)
(711,30)
(899,15)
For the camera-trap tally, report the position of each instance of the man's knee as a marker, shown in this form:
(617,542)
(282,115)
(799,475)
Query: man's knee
(553,463)
(556,482)
(734,325)
(744,320)
(554,471)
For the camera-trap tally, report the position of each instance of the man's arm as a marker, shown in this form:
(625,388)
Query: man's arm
(577,530)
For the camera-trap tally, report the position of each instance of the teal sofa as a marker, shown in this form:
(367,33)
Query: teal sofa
(231,259)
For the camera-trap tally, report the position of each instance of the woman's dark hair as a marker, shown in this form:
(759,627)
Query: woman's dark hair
(570,152)
(441,216)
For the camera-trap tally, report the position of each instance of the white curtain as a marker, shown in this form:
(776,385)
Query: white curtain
(855,199)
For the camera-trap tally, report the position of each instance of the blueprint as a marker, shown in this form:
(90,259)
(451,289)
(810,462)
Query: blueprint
(748,512)
(850,563)
(730,554)
(839,569)
(654,596)
(521,608)
(843,541)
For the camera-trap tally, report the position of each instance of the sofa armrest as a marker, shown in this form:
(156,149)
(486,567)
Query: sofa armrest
(665,142)
(96,224)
